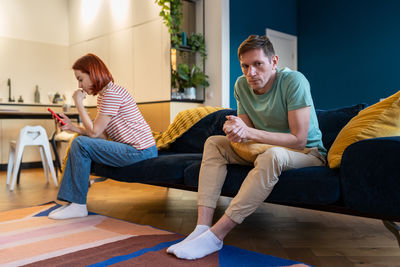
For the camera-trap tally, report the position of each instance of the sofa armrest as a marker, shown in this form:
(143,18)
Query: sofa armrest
(370,176)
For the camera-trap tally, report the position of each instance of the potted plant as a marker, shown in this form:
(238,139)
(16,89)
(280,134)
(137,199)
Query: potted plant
(197,43)
(171,12)
(187,79)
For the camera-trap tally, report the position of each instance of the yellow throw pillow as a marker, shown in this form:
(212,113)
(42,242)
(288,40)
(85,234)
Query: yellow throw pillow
(379,120)
(250,150)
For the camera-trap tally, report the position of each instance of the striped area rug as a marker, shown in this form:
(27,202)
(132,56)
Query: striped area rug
(28,237)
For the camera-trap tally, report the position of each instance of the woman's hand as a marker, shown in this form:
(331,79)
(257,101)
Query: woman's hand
(68,124)
(78,97)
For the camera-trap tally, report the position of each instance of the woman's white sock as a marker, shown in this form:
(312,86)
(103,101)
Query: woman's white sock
(59,208)
(196,232)
(199,247)
(73,210)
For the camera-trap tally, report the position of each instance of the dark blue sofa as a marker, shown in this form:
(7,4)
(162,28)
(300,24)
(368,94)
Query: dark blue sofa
(367,183)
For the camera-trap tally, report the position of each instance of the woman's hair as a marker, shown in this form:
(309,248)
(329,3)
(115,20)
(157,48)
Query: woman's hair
(96,69)
(256,42)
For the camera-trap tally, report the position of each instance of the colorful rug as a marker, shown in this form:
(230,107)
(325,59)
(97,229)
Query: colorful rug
(28,237)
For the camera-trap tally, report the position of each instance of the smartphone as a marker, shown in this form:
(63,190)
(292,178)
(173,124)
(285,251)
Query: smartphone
(56,116)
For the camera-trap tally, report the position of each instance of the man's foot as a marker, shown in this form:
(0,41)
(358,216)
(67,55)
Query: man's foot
(196,232)
(72,210)
(199,247)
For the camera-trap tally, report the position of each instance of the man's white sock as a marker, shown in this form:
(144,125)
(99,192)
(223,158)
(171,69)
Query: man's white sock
(199,247)
(73,210)
(200,228)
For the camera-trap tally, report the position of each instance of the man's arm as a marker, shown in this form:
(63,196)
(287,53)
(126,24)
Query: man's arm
(240,129)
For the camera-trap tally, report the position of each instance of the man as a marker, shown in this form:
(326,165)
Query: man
(274,107)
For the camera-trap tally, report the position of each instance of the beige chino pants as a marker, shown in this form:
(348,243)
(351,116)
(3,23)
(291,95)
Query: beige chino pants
(260,180)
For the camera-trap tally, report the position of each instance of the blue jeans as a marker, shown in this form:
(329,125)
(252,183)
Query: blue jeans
(75,183)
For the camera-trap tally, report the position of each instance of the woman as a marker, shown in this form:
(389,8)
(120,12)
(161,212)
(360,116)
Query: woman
(118,119)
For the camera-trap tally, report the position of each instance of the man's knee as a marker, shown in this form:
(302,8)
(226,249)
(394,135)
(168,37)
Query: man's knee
(274,155)
(216,141)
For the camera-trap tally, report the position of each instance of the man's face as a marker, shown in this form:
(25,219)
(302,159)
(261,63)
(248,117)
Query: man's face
(259,71)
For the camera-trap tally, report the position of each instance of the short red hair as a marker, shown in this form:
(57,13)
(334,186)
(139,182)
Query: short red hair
(96,69)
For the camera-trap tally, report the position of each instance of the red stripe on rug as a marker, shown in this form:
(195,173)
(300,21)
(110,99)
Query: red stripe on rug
(104,252)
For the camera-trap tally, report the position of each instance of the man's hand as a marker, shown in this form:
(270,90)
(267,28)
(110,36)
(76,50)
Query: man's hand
(235,129)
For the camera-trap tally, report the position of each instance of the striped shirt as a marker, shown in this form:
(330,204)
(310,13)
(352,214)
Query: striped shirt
(127,124)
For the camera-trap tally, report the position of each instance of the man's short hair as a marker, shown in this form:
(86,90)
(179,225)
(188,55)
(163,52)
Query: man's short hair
(256,42)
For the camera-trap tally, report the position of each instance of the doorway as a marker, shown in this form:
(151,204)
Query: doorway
(285,46)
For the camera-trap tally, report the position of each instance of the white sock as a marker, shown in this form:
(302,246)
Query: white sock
(72,210)
(200,228)
(199,247)
(59,208)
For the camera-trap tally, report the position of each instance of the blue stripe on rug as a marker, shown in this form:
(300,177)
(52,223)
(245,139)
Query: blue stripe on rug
(135,254)
(233,256)
(46,212)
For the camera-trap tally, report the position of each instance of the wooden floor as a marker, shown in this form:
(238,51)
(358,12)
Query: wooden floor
(316,238)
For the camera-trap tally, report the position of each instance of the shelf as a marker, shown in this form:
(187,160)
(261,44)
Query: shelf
(188,100)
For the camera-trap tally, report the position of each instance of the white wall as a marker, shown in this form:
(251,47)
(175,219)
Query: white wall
(217,44)
(33,47)
(129,36)
(44,21)
(40,40)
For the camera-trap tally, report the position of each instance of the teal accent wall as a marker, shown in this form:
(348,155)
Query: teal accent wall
(348,49)
(253,17)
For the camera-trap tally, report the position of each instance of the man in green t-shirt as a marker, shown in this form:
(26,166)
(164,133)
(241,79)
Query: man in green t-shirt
(274,107)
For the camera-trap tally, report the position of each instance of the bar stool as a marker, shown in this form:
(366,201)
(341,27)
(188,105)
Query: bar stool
(56,139)
(30,136)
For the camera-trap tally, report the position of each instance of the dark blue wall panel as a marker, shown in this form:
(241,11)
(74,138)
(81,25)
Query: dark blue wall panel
(253,17)
(349,50)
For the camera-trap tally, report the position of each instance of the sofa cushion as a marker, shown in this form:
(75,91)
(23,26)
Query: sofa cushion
(379,120)
(310,185)
(162,169)
(250,150)
(333,120)
(192,141)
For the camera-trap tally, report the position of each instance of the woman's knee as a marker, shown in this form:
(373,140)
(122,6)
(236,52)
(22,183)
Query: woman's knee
(78,143)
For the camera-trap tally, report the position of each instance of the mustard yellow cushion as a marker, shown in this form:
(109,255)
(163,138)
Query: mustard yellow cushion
(379,120)
(250,150)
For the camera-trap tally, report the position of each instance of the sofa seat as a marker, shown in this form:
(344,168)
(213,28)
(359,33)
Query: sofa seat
(166,169)
(300,186)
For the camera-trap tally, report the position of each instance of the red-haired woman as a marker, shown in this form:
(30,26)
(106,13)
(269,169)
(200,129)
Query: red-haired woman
(118,119)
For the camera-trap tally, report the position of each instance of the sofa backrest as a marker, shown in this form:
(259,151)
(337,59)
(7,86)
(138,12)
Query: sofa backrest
(192,141)
(333,120)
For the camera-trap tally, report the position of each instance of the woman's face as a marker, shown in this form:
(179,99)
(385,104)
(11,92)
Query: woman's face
(84,81)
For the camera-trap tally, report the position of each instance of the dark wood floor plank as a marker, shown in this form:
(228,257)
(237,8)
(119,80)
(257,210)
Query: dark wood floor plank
(316,238)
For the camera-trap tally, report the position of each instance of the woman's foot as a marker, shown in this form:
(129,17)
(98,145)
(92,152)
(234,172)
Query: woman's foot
(59,208)
(70,211)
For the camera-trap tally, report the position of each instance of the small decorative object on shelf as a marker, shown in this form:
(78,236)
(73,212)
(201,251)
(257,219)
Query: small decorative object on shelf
(184,39)
(20,99)
(37,95)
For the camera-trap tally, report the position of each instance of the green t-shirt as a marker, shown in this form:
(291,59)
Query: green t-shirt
(269,111)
